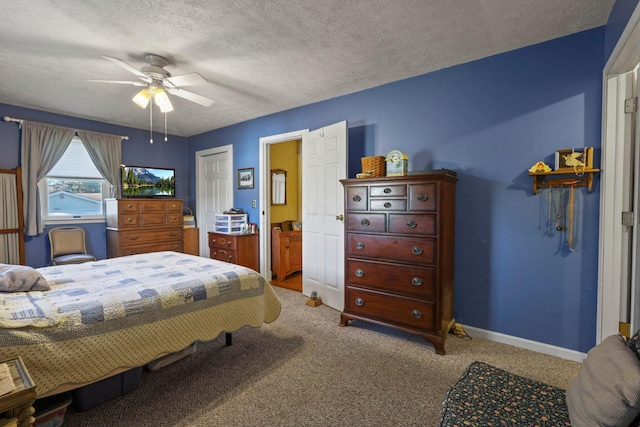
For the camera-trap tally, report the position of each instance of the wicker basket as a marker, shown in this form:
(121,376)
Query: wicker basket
(373,166)
(188,221)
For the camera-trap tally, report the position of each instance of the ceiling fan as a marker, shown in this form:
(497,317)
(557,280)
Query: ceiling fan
(157,82)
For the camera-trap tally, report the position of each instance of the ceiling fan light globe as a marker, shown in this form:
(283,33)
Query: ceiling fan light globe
(142,98)
(162,100)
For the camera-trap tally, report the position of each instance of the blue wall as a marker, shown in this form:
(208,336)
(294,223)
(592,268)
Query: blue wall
(489,120)
(135,151)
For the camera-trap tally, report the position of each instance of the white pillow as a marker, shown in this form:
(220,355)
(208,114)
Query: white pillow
(21,278)
(606,391)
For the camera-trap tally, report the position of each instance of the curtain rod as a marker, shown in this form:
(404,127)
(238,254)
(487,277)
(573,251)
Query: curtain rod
(11,119)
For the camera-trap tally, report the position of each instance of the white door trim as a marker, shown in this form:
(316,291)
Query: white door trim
(623,59)
(265,220)
(200,155)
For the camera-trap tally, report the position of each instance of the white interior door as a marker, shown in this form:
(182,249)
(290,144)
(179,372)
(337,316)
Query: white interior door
(618,292)
(630,301)
(214,189)
(324,164)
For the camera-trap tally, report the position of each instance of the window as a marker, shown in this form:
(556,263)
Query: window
(73,191)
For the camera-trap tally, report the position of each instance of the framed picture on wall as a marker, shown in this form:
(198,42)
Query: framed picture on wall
(245,178)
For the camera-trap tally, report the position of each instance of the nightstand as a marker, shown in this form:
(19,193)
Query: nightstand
(18,404)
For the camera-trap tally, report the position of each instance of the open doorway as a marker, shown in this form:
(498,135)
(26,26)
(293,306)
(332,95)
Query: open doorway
(285,214)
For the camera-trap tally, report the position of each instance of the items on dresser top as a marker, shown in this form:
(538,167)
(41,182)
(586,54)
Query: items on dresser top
(136,226)
(399,253)
(230,223)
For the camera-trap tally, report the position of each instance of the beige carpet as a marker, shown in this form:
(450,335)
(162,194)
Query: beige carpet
(305,370)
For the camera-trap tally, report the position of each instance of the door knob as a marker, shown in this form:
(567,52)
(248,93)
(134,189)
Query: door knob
(340,217)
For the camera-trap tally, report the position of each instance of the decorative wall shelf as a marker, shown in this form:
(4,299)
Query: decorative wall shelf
(563,179)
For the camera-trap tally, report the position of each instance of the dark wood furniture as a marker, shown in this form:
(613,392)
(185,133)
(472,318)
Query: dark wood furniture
(241,249)
(286,252)
(136,226)
(399,253)
(13,232)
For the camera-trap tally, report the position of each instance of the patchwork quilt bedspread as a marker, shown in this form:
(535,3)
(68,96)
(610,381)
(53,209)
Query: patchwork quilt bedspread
(105,316)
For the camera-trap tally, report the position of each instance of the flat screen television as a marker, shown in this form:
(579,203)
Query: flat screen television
(138,181)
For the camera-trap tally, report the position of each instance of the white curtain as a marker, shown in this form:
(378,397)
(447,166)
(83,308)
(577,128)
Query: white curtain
(42,146)
(9,242)
(106,153)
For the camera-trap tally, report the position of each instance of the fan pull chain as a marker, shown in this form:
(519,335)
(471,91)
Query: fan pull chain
(151,121)
(165,127)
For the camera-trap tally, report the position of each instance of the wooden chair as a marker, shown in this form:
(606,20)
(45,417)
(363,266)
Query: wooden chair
(68,246)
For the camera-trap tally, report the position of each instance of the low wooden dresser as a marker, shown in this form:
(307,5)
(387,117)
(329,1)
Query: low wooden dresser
(399,253)
(136,226)
(241,249)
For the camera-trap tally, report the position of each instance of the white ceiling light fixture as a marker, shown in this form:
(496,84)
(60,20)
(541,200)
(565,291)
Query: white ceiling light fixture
(162,100)
(143,97)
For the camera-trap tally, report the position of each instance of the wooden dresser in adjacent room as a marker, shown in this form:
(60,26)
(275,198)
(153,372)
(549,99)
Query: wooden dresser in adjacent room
(399,239)
(136,226)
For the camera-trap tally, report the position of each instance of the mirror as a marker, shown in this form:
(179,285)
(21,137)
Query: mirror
(278,187)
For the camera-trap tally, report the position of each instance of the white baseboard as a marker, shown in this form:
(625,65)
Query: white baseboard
(543,348)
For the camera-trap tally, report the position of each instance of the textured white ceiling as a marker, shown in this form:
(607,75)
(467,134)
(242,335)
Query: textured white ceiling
(259,56)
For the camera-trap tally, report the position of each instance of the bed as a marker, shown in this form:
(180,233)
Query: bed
(102,318)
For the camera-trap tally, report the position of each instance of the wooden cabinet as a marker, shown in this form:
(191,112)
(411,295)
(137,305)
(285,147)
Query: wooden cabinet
(136,226)
(399,253)
(191,241)
(241,249)
(286,252)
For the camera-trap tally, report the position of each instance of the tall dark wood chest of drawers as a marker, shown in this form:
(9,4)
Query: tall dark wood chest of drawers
(136,226)
(399,238)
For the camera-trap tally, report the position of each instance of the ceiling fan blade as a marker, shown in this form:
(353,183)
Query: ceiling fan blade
(127,67)
(198,99)
(191,79)
(121,82)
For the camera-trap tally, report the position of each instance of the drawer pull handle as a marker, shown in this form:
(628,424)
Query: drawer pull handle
(423,197)
(129,205)
(412,224)
(356,198)
(417,314)
(172,234)
(229,243)
(133,237)
(417,250)
(173,218)
(359,245)
(365,222)
(387,205)
(359,302)
(359,273)
(129,219)
(387,190)
(416,281)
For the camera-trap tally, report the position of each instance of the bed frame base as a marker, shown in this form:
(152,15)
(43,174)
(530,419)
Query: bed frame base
(228,339)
